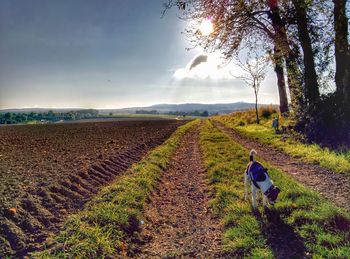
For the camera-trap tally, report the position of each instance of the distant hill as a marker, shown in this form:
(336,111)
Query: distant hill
(212,108)
(221,108)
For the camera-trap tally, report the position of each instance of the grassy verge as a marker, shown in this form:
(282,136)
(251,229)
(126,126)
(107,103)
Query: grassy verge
(301,218)
(109,222)
(337,162)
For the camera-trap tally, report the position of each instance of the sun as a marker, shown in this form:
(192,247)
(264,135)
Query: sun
(206,27)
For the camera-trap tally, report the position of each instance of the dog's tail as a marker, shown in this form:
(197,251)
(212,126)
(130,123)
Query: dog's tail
(251,154)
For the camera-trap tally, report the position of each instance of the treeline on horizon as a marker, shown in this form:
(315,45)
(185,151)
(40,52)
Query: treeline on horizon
(178,113)
(50,116)
(307,43)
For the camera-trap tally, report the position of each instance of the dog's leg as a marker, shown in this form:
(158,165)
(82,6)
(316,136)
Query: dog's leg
(254,195)
(264,200)
(246,182)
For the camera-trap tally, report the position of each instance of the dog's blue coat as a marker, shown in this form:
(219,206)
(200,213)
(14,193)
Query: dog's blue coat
(257,172)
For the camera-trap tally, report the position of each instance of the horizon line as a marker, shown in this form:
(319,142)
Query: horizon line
(129,107)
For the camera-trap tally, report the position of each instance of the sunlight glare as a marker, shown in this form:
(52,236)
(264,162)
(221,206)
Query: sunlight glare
(206,27)
(209,70)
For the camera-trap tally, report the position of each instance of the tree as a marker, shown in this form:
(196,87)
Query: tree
(312,93)
(342,52)
(51,115)
(204,114)
(254,68)
(277,60)
(8,118)
(239,23)
(290,55)
(301,37)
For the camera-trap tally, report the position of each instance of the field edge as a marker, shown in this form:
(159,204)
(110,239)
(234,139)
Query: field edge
(308,153)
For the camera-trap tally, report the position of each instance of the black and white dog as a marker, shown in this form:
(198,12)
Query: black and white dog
(257,175)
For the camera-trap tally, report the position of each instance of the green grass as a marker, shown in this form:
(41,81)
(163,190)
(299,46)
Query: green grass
(110,222)
(337,162)
(312,224)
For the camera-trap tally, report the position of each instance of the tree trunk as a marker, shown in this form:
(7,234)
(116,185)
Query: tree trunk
(256,107)
(293,71)
(311,84)
(342,55)
(278,62)
(295,88)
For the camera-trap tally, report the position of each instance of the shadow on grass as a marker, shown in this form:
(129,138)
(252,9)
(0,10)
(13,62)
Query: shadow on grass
(281,237)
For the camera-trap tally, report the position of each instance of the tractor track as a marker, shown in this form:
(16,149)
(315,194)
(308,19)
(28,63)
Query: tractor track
(178,221)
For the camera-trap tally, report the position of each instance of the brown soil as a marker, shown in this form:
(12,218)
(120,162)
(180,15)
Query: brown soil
(178,222)
(50,171)
(334,186)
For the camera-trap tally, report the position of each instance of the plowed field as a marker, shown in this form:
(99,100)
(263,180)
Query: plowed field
(50,171)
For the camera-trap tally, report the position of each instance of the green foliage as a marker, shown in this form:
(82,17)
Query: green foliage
(311,223)
(249,117)
(190,113)
(146,112)
(266,112)
(50,116)
(111,220)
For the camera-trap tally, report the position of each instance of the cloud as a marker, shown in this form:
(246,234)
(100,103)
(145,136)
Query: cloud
(209,80)
(197,60)
(204,67)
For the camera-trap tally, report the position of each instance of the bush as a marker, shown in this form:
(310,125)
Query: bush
(267,111)
(327,123)
(241,123)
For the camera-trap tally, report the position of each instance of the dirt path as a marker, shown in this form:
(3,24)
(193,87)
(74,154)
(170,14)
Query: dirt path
(178,222)
(334,186)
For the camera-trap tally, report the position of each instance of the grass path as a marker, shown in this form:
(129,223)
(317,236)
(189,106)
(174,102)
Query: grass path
(178,222)
(302,224)
(333,186)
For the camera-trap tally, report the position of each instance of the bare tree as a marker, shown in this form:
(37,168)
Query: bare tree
(254,67)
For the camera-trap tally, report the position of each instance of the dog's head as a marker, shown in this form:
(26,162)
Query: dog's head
(272,194)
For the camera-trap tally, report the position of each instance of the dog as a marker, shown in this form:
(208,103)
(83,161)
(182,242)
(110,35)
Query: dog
(258,177)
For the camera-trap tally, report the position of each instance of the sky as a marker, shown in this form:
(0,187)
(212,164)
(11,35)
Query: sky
(108,54)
